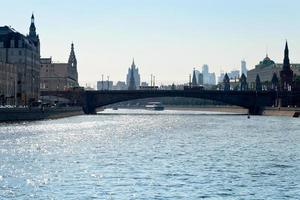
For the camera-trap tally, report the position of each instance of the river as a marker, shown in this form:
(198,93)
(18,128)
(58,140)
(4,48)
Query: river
(139,154)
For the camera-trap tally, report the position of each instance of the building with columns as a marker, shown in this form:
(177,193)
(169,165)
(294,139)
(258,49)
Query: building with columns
(59,76)
(24,53)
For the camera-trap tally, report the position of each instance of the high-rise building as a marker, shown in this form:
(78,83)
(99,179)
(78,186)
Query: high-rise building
(24,52)
(243,68)
(205,72)
(208,78)
(59,76)
(133,70)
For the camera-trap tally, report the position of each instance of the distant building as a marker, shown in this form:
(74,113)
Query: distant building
(104,85)
(144,84)
(23,52)
(208,78)
(234,74)
(59,76)
(136,76)
(121,85)
(205,72)
(243,68)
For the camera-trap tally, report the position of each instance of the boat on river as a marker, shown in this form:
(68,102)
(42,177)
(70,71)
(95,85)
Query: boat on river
(154,106)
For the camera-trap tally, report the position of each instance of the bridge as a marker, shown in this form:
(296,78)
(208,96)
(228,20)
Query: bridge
(254,101)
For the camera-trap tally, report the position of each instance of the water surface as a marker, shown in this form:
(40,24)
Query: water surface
(137,154)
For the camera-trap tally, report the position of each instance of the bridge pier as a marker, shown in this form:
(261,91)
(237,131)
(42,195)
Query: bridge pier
(255,110)
(89,110)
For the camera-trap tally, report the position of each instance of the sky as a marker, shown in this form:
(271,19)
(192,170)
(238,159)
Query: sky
(167,38)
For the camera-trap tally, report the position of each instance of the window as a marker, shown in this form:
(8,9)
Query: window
(20,52)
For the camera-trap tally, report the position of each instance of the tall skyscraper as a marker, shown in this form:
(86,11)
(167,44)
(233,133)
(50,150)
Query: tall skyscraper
(205,72)
(243,68)
(133,70)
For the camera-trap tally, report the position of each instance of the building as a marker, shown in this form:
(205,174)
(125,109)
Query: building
(23,52)
(208,78)
(8,83)
(133,70)
(121,85)
(243,68)
(266,69)
(59,76)
(104,85)
(234,74)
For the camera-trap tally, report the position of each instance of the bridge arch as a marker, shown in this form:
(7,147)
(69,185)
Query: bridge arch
(251,100)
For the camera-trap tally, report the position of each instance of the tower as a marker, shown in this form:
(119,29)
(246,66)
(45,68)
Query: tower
(194,79)
(72,62)
(32,33)
(243,67)
(286,74)
(132,85)
(243,83)
(226,82)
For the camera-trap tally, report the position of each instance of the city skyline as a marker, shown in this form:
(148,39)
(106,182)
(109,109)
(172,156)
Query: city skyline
(166,39)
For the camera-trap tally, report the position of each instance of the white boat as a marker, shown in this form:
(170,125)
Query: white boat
(154,106)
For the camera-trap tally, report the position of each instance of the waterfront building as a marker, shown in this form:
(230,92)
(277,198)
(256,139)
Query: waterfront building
(266,69)
(243,68)
(8,83)
(286,74)
(23,52)
(59,76)
(133,72)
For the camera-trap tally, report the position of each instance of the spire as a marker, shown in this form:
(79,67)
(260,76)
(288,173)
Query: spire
(286,60)
(133,64)
(32,29)
(32,18)
(72,58)
(286,74)
(194,80)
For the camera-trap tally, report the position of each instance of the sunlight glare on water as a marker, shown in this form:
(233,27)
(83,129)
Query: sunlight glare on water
(138,154)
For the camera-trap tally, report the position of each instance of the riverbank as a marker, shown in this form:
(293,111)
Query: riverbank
(268,111)
(29,114)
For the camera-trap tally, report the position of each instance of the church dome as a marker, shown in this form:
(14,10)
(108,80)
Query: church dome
(267,61)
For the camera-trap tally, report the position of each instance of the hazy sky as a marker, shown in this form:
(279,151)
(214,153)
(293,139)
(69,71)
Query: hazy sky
(166,37)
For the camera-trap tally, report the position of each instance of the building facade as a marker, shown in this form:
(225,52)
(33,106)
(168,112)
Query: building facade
(23,52)
(8,83)
(266,69)
(59,76)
